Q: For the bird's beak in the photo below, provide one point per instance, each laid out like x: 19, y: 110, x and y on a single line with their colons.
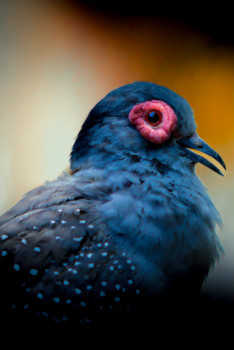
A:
x: 195, y: 142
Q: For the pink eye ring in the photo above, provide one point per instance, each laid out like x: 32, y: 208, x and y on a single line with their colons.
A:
x: 155, y: 120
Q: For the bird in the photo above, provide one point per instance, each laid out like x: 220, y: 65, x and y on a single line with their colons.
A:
x: 128, y: 229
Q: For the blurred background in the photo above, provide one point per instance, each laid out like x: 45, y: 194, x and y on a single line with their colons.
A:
x: 58, y: 58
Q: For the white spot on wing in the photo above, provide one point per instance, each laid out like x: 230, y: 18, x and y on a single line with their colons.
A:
x: 37, y: 249
x: 16, y: 267
x: 56, y: 300
x: 4, y: 237
x: 33, y: 272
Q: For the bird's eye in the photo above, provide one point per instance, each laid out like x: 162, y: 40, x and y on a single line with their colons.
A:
x: 153, y: 118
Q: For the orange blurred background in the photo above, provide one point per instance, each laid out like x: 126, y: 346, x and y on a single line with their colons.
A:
x: 58, y: 58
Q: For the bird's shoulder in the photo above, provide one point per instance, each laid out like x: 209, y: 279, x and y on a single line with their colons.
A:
x: 55, y: 215
x: 54, y: 220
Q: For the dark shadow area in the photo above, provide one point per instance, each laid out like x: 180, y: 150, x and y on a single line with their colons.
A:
x: 215, y: 20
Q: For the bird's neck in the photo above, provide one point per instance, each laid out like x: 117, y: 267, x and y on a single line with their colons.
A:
x: 158, y: 162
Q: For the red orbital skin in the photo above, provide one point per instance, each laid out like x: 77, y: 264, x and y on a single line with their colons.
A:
x: 159, y: 133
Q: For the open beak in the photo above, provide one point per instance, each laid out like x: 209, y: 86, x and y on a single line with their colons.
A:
x: 195, y: 142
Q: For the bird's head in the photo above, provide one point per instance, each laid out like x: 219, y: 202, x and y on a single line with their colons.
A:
x: 139, y: 118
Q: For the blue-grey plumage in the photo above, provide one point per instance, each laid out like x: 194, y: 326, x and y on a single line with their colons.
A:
x: 131, y: 224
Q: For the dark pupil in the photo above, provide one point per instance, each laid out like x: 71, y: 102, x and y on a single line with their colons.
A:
x: 153, y: 117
